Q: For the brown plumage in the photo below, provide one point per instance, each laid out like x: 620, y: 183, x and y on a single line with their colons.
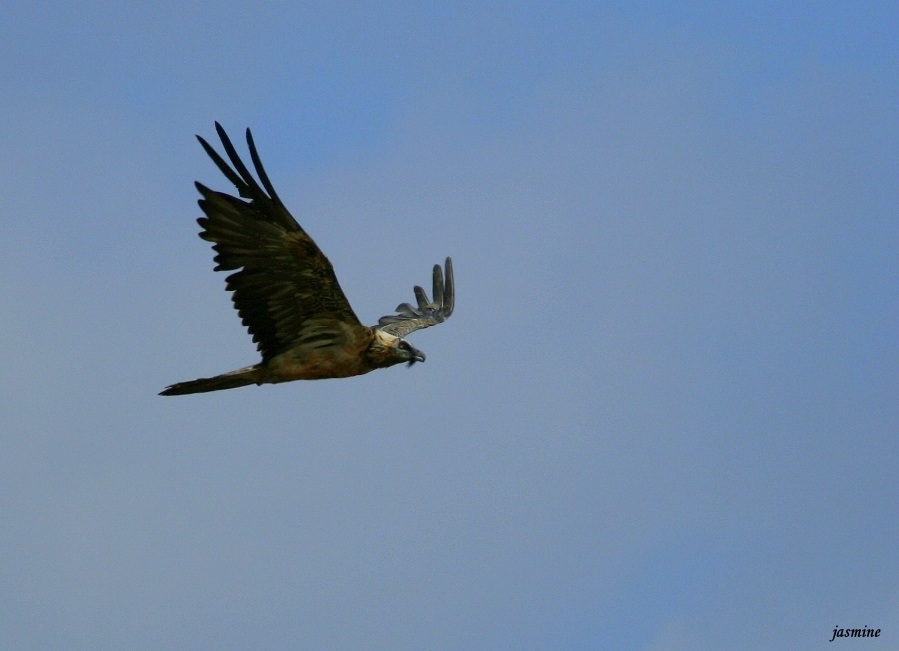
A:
x: 287, y: 295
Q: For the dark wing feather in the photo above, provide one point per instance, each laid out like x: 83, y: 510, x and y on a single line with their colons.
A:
x: 285, y: 290
x: 409, y: 319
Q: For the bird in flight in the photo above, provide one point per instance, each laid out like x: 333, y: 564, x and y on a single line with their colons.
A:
x: 287, y: 295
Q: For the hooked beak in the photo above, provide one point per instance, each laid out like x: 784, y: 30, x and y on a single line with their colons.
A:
x: 417, y: 356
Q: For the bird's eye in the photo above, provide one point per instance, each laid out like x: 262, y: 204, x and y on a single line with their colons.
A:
x: 405, y: 345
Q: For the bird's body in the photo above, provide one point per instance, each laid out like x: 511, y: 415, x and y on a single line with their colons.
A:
x: 287, y: 295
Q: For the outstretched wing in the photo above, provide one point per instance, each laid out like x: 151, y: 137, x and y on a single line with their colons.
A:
x: 410, y: 319
x: 285, y: 290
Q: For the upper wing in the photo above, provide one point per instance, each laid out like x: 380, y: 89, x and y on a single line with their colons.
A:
x: 285, y: 290
x: 410, y: 319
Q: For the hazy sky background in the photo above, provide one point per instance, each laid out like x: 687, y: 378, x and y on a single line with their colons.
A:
x: 664, y: 415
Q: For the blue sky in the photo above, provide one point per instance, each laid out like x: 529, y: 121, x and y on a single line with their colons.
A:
x: 663, y: 415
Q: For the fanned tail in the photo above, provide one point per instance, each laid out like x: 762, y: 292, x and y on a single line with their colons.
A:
x: 239, y: 378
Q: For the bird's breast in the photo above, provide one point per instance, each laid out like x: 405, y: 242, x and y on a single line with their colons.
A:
x: 317, y: 364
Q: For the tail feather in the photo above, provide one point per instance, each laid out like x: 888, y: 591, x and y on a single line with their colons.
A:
x: 239, y: 378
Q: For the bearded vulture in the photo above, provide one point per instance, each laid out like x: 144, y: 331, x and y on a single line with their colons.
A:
x: 287, y: 295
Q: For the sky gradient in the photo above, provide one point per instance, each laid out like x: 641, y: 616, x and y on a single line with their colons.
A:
x: 663, y: 416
